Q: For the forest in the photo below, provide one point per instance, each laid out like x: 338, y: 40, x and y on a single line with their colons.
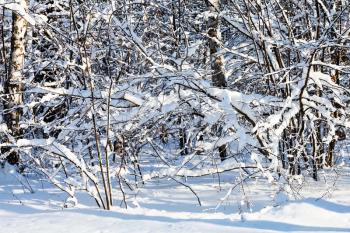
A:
x: 106, y: 98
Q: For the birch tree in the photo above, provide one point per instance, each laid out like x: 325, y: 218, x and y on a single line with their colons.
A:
x: 13, y: 86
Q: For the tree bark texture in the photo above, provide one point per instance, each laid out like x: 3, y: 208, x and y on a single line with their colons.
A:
x: 13, y: 85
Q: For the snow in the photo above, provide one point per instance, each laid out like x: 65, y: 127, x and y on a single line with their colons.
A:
x: 19, y: 10
x: 166, y: 206
x: 133, y: 99
x: 282, y: 101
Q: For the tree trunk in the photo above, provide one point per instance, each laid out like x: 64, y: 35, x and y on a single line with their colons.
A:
x: 218, y: 76
x: 216, y: 60
x: 13, y: 85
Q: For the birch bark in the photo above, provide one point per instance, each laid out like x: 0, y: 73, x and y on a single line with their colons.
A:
x: 13, y: 87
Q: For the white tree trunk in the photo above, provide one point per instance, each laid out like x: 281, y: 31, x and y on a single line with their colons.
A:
x: 13, y: 85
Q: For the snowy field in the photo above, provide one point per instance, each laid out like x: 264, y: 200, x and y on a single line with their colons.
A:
x: 164, y: 206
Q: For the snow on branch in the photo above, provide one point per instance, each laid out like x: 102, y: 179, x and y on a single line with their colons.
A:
x: 17, y: 8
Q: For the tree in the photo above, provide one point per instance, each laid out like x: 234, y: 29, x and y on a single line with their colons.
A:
x: 13, y: 87
x: 216, y: 59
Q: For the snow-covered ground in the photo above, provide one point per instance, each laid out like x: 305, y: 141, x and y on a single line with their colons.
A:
x: 166, y: 206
